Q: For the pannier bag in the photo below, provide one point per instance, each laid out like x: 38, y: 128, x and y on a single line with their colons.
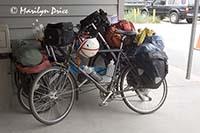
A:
x: 59, y: 34
x: 99, y: 19
x: 114, y: 39
x: 151, y: 68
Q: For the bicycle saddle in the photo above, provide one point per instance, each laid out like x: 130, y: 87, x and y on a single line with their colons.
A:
x: 127, y: 33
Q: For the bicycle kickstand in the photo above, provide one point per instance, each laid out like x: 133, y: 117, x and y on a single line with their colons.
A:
x: 104, y: 102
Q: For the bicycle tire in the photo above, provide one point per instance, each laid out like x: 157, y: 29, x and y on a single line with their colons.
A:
x: 48, y: 92
x: 17, y: 79
x: 23, y: 99
x: 23, y: 83
x: 138, y: 105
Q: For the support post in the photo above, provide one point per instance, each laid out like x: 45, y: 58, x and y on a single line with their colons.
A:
x: 193, y: 32
x: 154, y: 15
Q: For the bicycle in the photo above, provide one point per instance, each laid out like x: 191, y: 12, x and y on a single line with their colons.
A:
x: 53, y: 92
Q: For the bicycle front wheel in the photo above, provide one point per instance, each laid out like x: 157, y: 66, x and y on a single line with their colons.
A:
x: 52, y: 95
x: 145, y: 100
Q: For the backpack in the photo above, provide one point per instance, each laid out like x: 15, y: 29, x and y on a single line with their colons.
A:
x: 114, y: 39
x: 125, y: 25
x: 151, y: 67
x: 59, y: 34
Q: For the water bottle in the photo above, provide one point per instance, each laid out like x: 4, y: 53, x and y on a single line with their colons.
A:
x: 34, y: 30
x: 109, y: 72
x: 110, y: 69
x: 38, y: 30
x: 41, y: 32
x: 92, y: 73
x: 86, y: 69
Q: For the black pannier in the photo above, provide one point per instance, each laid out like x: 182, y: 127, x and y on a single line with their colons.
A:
x: 98, y: 18
x: 59, y: 34
x: 151, y: 65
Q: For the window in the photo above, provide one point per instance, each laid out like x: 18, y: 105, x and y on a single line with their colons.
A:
x: 183, y: 2
x: 170, y: 2
x: 160, y: 2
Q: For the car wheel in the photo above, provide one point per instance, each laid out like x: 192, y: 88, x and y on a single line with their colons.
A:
x: 145, y: 13
x: 174, y: 17
x: 189, y: 20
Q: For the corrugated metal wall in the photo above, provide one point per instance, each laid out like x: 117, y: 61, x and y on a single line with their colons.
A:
x: 19, y: 14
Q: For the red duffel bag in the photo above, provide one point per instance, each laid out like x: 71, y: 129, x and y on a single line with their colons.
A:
x: 114, y: 39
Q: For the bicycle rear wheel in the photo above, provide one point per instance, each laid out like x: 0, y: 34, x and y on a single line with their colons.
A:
x: 23, y: 83
x: 143, y: 101
x: 23, y: 99
x: 52, y: 95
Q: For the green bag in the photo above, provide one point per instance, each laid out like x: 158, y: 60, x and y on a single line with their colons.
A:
x: 25, y: 53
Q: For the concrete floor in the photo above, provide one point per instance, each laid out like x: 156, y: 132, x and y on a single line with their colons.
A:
x: 179, y: 114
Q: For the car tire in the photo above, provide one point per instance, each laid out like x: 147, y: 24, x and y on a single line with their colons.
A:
x: 189, y: 20
x: 174, y: 17
x: 145, y: 13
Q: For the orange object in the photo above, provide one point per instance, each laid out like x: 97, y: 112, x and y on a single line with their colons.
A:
x: 198, y: 44
x: 78, y: 60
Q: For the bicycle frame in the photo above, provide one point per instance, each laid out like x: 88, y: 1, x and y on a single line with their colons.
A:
x: 70, y: 62
x: 117, y: 65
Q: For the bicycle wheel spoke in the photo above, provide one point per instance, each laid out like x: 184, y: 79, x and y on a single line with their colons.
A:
x: 60, y: 79
x: 39, y: 99
x: 41, y: 85
x: 41, y: 106
x: 44, y: 82
x: 64, y: 92
x: 57, y: 109
x: 63, y: 85
x: 40, y: 93
x: 50, y: 114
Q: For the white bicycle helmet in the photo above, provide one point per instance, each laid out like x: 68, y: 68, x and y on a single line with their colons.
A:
x: 89, y: 47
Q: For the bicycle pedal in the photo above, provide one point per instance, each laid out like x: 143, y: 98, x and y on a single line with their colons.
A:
x: 103, y: 104
x: 146, y: 98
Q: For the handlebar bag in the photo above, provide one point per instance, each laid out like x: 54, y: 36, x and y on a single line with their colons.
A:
x: 59, y: 34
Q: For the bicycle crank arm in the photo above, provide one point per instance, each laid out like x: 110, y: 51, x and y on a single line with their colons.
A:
x: 104, y: 102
